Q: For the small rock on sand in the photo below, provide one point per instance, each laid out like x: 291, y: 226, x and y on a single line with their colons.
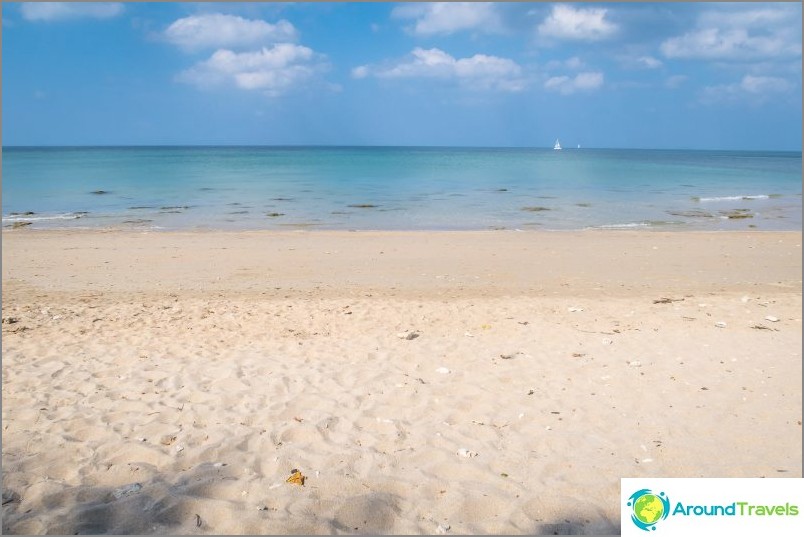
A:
x: 167, y: 439
x: 466, y: 453
x: 720, y: 324
x: 442, y: 529
x: 443, y: 370
x: 772, y: 319
x: 408, y: 335
x: 126, y: 490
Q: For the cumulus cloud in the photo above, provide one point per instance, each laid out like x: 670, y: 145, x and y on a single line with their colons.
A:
x: 56, y: 11
x: 739, y: 33
x: 566, y: 85
x: 274, y: 71
x: 477, y: 72
x: 756, y: 89
x: 216, y: 30
x: 582, y: 24
x: 444, y: 18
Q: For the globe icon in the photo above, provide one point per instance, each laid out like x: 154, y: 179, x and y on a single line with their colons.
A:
x: 648, y: 509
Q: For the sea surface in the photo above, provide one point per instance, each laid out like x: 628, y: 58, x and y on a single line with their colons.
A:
x: 399, y: 188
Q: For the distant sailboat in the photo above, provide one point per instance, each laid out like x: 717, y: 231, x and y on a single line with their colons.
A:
x: 557, y: 147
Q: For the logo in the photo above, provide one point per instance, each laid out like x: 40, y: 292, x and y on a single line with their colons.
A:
x: 648, y: 508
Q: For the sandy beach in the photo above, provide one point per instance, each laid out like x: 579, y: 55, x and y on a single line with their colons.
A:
x: 422, y: 382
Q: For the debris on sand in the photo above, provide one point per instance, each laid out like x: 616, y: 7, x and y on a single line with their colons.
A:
x: 408, y: 335
x: 665, y: 300
x: 296, y: 478
x: 133, y: 488
x: 466, y: 453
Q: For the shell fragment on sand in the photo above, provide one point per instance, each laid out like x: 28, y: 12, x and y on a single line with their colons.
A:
x: 466, y: 453
x: 443, y: 370
x: 772, y: 319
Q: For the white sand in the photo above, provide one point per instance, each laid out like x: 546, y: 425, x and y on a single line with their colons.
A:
x: 266, y: 352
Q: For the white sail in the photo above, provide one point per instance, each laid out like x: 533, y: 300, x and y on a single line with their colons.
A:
x: 557, y: 146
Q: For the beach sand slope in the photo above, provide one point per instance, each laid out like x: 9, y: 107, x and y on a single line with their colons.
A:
x: 489, y: 382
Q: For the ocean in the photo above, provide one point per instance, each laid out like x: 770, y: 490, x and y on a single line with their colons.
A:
x: 399, y: 188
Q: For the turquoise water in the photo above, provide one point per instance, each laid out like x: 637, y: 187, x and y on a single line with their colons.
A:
x: 400, y: 188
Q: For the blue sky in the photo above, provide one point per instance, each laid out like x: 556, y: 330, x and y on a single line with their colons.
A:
x: 649, y: 75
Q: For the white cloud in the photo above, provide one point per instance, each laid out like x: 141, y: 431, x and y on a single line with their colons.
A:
x: 216, y: 30
x: 734, y: 32
x: 764, y: 84
x: 446, y: 18
x: 565, y: 85
x: 584, y: 24
x: 647, y: 62
x: 740, y: 17
x: 273, y: 71
x: 755, y: 89
x: 55, y: 11
x: 732, y: 44
x: 573, y: 64
x: 478, y: 72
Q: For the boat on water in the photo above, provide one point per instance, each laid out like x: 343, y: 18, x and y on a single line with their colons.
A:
x: 557, y: 147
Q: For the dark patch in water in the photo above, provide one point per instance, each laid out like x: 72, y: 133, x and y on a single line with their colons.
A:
x: 546, y: 197
x: 282, y: 199
x: 141, y: 207
x: 205, y: 189
x: 536, y: 209
x: 182, y: 207
x: 17, y: 225
x: 583, y: 204
x: 274, y: 215
x: 239, y: 212
x: 100, y: 192
x: 501, y: 190
x: 363, y: 206
x: 737, y: 214
x: 696, y: 213
x: 26, y: 213
x: 341, y: 212
x: 137, y: 221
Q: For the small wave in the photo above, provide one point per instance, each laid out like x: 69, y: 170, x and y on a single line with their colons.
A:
x: 624, y: 226
x: 35, y: 218
x: 733, y: 198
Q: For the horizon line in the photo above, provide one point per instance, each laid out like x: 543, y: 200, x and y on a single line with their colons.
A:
x: 377, y: 146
